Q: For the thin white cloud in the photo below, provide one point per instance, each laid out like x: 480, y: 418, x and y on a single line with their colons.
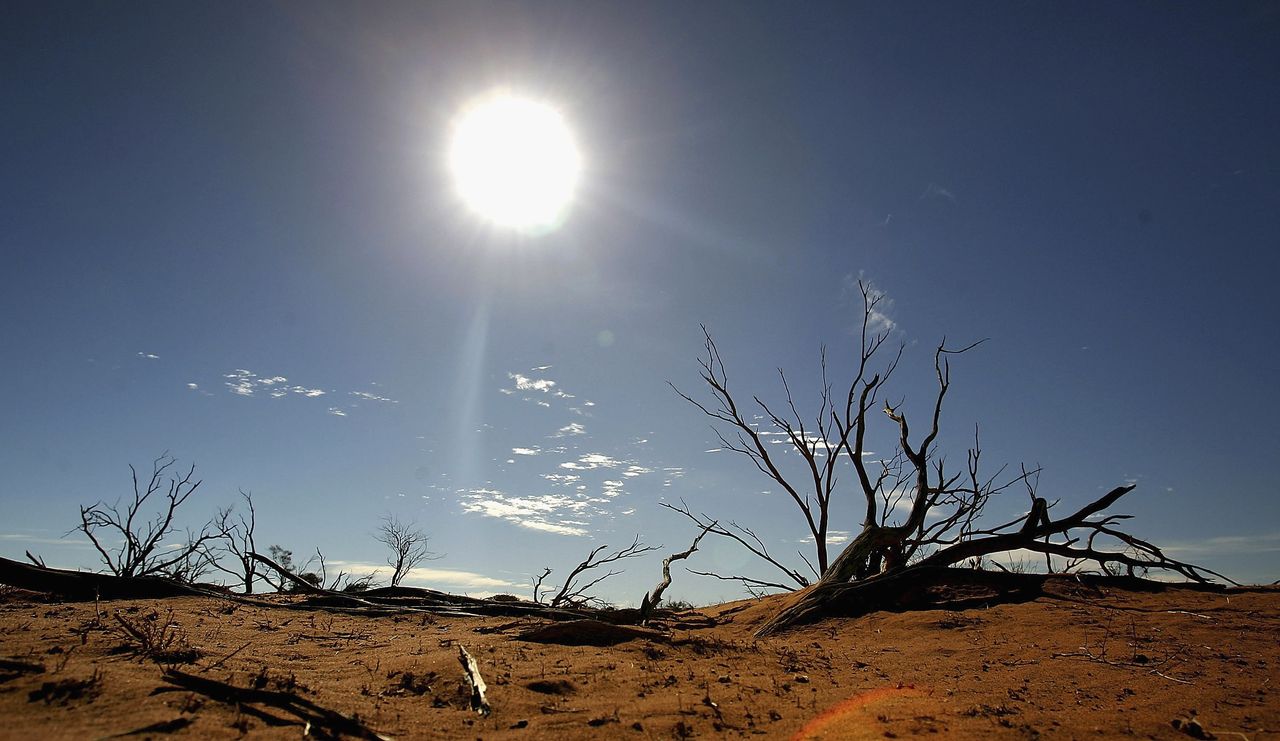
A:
x: 148, y: 356
x: 42, y: 540
x: 592, y: 461
x: 834, y: 537
x: 425, y: 576
x: 247, y: 383
x: 372, y: 397
x: 545, y: 513
x: 1225, y: 544
x: 524, y: 383
x: 935, y: 190
x: 335, y: 411
x: 879, y: 319
x: 573, y: 428
x: 535, y: 450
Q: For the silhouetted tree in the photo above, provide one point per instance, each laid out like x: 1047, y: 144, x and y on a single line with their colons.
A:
x: 141, y: 533
x: 238, y: 542
x: 408, y: 546
x: 942, y: 507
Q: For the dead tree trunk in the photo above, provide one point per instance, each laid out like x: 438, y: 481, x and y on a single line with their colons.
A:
x: 651, y: 600
x: 84, y: 585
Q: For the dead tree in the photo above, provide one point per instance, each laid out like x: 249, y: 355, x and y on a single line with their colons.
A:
x: 653, y: 598
x: 941, y: 525
x: 835, y: 431
x: 408, y: 546
x: 238, y: 542
x: 574, y: 594
x: 142, y: 550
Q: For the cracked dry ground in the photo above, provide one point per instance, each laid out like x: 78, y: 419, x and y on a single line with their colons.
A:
x: 1080, y: 662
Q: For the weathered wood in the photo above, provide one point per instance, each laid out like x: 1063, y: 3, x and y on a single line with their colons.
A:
x: 85, y: 585
x: 652, y: 599
x: 471, y: 669
x: 934, y: 587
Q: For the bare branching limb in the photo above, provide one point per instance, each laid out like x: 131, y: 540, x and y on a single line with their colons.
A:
x: 755, y: 587
x: 238, y: 542
x: 408, y: 546
x: 342, y: 582
x: 747, y: 539
x: 573, y: 594
x: 537, y: 585
x: 143, y: 550
x: 654, y: 597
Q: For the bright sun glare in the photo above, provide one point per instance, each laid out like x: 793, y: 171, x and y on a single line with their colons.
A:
x: 514, y: 162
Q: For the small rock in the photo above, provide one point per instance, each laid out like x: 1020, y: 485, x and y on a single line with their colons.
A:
x: 802, y: 678
x: 723, y: 679
x: 520, y: 724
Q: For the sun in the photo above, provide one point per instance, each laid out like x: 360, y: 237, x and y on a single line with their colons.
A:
x: 514, y: 162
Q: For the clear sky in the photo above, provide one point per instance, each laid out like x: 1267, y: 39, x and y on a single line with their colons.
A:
x: 211, y: 212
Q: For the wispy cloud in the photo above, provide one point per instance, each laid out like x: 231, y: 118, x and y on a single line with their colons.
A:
x: 372, y: 397
x: 592, y: 461
x: 549, y: 513
x: 535, y: 450
x: 42, y: 540
x: 148, y: 355
x: 879, y: 319
x: 571, y: 429
x: 1228, y: 544
x: 247, y: 383
x: 524, y: 383
x: 424, y: 576
x: 937, y: 191
x: 834, y: 537
x: 537, y: 390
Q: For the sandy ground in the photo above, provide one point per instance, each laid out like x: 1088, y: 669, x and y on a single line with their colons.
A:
x: 1080, y: 663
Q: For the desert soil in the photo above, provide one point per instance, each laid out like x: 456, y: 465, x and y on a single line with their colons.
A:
x: 1081, y: 662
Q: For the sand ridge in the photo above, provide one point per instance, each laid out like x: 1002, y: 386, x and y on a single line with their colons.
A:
x: 1095, y: 662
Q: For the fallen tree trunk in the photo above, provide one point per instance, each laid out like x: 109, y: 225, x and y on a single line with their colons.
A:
x: 86, y: 585
x: 938, y: 587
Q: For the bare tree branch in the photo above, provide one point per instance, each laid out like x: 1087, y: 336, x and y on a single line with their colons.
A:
x: 574, y: 594
x: 654, y: 597
x: 143, y: 551
x: 408, y: 546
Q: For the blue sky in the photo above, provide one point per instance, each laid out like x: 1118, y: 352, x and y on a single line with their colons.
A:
x: 213, y: 212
